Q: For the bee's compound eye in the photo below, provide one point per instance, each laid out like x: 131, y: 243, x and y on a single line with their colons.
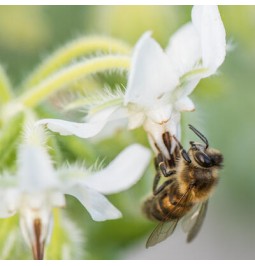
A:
x: 203, y: 159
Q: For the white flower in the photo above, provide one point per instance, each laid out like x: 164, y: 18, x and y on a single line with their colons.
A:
x: 37, y: 187
x: 159, y: 82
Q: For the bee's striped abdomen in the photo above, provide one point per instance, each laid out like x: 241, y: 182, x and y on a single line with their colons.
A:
x: 164, y: 206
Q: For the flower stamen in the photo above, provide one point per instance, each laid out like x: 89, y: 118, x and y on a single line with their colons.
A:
x: 38, y: 247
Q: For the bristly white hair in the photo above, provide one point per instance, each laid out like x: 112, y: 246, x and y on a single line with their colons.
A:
x: 88, y: 103
x: 35, y: 135
x: 98, y: 165
x: 79, y: 170
x: 231, y: 45
x: 106, y: 97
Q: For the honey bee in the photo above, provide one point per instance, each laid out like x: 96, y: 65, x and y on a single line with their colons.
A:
x: 190, y: 179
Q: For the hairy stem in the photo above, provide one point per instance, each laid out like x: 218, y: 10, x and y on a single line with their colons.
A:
x: 69, y: 74
x: 80, y: 47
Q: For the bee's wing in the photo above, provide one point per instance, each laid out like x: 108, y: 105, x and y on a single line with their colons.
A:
x: 162, y: 231
x: 189, y: 219
x: 192, y: 222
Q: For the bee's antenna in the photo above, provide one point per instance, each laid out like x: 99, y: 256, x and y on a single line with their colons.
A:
x: 200, y: 135
x: 183, y: 152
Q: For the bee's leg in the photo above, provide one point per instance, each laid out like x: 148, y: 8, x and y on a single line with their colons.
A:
x: 156, y: 189
x: 182, y: 151
x: 156, y: 163
x: 155, y: 183
x: 162, y: 165
x: 163, y: 169
x: 157, y: 176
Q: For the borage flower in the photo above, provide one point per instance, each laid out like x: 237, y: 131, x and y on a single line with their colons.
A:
x: 159, y: 82
x: 37, y: 187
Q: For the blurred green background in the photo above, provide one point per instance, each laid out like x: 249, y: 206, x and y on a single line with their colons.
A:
x: 225, y: 114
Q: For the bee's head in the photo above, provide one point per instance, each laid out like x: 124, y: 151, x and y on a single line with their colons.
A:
x: 202, y: 154
x: 205, y: 156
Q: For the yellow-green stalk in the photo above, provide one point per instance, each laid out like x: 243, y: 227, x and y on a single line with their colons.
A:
x: 71, y: 73
x: 77, y: 48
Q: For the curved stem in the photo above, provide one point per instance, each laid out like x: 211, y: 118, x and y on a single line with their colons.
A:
x: 80, y: 47
x: 70, y: 74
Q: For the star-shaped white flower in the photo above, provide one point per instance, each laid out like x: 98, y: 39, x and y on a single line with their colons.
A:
x: 37, y: 187
x: 159, y: 82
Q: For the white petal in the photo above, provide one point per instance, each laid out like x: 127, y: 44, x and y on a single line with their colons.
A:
x: 116, y: 121
x: 198, y: 48
x: 111, y: 128
x: 161, y: 114
x: 151, y: 74
x: 185, y: 104
x: 123, y: 172
x: 35, y: 169
x: 184, y: 49
x: 57, y: 199
x: 136, y: 119
x: 9, y: 202
x: 97, y: 205
x: 187, y: 86
x: 207, y: 21
x: 156, y: 130
x: 185, y: 53
x: 82, y: 130
x: 111, y: 113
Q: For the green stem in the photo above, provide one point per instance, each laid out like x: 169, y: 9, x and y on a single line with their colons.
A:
x: 70, y: 74
x: 74, y: 49
x: 5, y: 87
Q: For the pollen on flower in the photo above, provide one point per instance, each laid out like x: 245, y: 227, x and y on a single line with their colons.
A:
x: 76, y: 170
